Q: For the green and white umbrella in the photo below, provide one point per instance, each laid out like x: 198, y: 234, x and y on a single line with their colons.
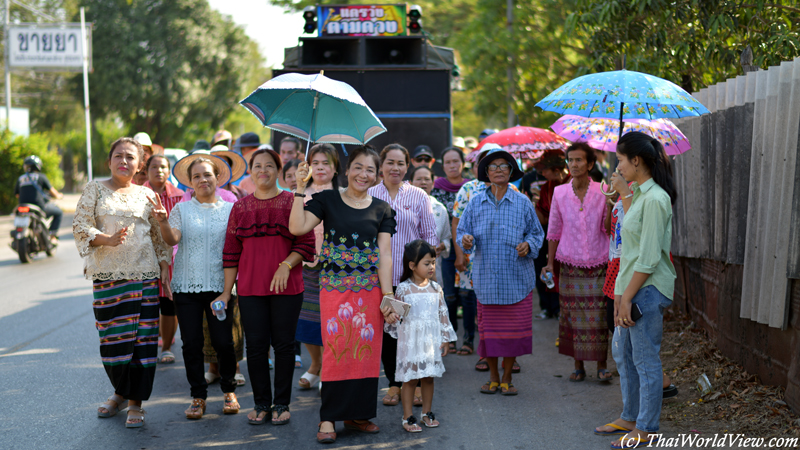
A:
x: 315, y: 108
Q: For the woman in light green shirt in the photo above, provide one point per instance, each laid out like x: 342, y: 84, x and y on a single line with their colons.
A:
x: 645, y: 283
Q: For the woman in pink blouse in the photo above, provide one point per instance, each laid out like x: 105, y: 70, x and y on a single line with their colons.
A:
x: 579, y: 241
x: 415, y: 220
x: 267, y: 259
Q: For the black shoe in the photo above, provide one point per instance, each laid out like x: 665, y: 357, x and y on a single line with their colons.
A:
x: 670, y: 391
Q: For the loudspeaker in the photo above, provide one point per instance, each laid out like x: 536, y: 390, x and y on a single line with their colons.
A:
x: 399, y: 51
x: 330, y: 52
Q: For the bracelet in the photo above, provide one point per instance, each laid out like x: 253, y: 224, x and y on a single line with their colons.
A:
x: 388, y: 293
x: 298, y: 194
x: 628, y: 196
x: 287, y: 264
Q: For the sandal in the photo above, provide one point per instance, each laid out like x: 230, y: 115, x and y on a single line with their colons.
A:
x: 259, y: 419
x: 508, y: 389
x: 212, y: 377
x: 392, y: 398
x: 411, y: 426
x: 119, y: 404
x: 451, y: 348
x: 231, y: 404
x: 466, y: 349
x: 417, y: 396
x: 431, y: 422
x: 279, y: 410
x: 482, y: 365
x: 166, y: 358
x: 616, y: 430
x: 577, y: 375
x: 196, y: 409
x: 298, y: 362
x: 325, y: 437
x: 239, y: 379
x: 490, y: 387
x: 135, y: 413
x: 515, y: 368
x: 309, y: 379
x: 605, y: 379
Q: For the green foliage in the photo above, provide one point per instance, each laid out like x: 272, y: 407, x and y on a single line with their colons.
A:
x: 174, y: 69
x: 693, y: 43
x: 13, y: 151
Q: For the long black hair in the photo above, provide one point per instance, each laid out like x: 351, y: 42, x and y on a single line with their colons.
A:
x: 652, y: 154
x: 414, y: 252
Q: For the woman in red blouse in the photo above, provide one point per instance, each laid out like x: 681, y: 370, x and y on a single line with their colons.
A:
x: 267, y: 259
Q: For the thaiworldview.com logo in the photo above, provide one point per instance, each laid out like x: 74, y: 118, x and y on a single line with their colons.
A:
x: 728, y: 440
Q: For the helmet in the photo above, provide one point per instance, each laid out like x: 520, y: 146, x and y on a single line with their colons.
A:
x: 32, y: 164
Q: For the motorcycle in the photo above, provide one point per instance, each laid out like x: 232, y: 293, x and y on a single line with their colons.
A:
x: 30, y: 235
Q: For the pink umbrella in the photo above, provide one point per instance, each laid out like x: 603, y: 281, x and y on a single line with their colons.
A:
x: 603, y: 134
x: 522, y: 142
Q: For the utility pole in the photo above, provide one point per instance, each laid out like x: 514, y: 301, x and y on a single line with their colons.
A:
x: 510, y: 116
x: 85, y: 45
x: 8, y: 71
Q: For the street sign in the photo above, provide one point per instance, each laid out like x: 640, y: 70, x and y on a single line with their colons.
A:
x: 42, y: 47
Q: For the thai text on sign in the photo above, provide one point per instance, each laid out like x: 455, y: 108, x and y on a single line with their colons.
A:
x: 57, y: 47
x: 362, y: 20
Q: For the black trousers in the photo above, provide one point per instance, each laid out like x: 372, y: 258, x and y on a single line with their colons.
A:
x: 270, y: 320
x: 389, y: 356
x: 190, y: 309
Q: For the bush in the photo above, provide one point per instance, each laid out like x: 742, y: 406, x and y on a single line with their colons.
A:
x: 13, y: 151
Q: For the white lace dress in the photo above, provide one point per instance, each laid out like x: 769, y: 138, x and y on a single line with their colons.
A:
x: 422, y: 332
x: 198, y: 263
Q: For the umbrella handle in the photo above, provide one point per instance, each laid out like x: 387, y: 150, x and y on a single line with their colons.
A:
x: 608, y: 194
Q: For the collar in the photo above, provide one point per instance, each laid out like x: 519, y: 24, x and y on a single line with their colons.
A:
x: 507, y: 196
x: 646, y: 186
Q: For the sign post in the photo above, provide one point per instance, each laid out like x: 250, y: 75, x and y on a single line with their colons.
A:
x: 8, y: 70
x: 55, y: 47
x: 85, y: 46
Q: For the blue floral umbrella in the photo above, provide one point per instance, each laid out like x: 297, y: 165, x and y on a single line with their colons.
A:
x: 622, y: 94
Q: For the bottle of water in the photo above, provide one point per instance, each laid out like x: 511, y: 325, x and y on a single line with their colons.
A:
x: 547, y: 278
x: 219, y: 308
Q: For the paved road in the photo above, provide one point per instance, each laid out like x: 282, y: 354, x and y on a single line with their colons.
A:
x: 51, y: 382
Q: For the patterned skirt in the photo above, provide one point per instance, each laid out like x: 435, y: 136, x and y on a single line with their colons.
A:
x: 209, y: 354
x: 506, y: 330
x: 126, y: 316
x: 582, y: 330
x: 351, y: 355
x: 309, y: 330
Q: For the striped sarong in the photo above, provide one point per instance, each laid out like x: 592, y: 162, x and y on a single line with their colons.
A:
x: 506, y: 330
x: 582, y: 330
x: 309, y: 330
x: 126, y: 315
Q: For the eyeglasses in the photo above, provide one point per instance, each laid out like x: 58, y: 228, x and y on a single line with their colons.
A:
x: 501, y: 168
x: 423, y: 159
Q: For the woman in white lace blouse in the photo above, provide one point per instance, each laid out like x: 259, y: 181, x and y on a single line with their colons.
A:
x: 124, y: 255
x: 199, y: 226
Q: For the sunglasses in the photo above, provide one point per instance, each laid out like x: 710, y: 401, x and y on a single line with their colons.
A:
x: 423, y: 159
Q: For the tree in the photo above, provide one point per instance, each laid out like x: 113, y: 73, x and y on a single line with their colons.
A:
x: 13, y: 151
x: 693, y: 43
x: 168, y: 68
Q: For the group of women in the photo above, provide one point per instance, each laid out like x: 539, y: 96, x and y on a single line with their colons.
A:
x: 300, y: 265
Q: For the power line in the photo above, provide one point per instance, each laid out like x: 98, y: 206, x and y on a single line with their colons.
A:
x: 35, y: 11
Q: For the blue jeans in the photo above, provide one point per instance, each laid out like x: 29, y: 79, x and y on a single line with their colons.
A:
x: 636, y: 352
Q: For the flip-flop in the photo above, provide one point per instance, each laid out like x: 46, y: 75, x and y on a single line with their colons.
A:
x: 465, y: 350
x: 492, y: 387
x: 516, y: 368
x: 482, y: 365
x: 625, y: 443
x: 604, y: 380
x: 166, y: 357
x: 617, y: 430
x: 580, y: 375
x: 507, y: 387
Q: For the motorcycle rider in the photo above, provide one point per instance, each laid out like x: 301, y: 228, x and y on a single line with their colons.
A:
x: 33, y: 188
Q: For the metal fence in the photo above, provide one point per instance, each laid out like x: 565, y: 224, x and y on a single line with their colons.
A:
x: 739, y: 195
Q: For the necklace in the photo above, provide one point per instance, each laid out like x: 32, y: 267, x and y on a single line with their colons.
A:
x: 357, y: 202
x: 576, y: 193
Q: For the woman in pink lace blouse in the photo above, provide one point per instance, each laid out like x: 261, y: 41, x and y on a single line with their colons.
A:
x: 579, y: 241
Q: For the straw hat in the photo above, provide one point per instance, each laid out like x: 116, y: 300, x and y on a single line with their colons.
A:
x: 181, y: 167
x: 239, y: 167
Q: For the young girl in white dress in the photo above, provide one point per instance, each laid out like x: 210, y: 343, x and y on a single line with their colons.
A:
x: 421, y: 334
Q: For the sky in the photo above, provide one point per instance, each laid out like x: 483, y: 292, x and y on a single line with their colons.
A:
x: 266, y: 24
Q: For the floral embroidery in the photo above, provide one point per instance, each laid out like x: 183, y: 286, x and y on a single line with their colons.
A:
x: 355, y: 236
x: 342, y: 281
x: 352, y: 257
x: 352, y: 342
